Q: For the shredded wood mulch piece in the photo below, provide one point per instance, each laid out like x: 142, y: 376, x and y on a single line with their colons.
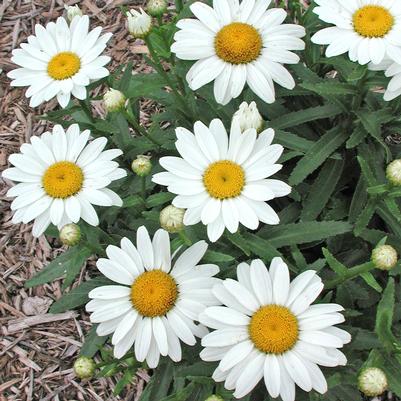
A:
x: 37, y: 349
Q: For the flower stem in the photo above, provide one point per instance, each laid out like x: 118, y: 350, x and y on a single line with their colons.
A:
x: 184, y: 237
x: 350, y: 274
x: 143, y: 187
x: 178, y: 5
x: 139, y: 128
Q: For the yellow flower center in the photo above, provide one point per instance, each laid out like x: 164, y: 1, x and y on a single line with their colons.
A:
x: 238, y: 43
x: 224, y: 179
x: 62, y: 179
x: 63, y: 65
x: 373, y: 21
x: 273, y: 329
x: 154, y: 293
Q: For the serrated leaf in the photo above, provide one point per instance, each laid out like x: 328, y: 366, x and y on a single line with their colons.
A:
x: 330, y: 88
x: 73, y: 258
x: 306, y: 115
x: 334, y: 264
x: 302, y: 233
x: 217, y: 257
x: 365, y: 217
x: 357, y: 136
x: 322, y: 189
x: 318, y: 154
x: 371, y: 281
x: 159, y: 199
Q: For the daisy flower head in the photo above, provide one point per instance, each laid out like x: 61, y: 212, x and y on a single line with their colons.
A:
x: 60, y: 177
x: 267, y: 328
x: 60, y: 60
x: 236, y: 43
x: 369, y: 30
x: 222, y: 181
x: 153, y: 306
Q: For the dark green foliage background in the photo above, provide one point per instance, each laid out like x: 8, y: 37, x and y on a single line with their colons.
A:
x: 336, y: 132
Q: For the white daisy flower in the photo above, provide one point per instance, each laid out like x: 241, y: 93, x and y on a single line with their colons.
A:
x: 222, y: 181
x: 369, y: 30
x: 154, y: 305
x: 61, y: 177
x: 60, y: 60
x: 268, y: 328
x: 237, y: 43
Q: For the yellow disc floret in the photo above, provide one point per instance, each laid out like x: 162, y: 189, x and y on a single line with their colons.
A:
x: 62, y: 179
x: 273, y: 329
x: 238, y: 43
x: 224, y: 179
x: 154, y: 293
x: 63, y: 65
x: 373, y: 21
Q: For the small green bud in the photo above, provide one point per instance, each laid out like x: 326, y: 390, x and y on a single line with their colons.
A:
x: 393, y: 172
x: 384, y: 257
x: 372, y: 382
x: 72, y: 12
x: 214, y: 397
x: 70, y: 234
x: 156, y: 8
x: 139, y: 24
x: 114, y: 100
x: 172, y: 219
x: 142, y: 165
x: 84, y: 367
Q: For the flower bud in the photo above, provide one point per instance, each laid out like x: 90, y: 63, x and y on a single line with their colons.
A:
x: 214, y: 397
x: 172, y: 219
x: 114, y: 100
x: 393, y: 172
x: 70, y: 234
x: 156, y: 8
x: 84, y: 367
x: 249, y: 117
x: 372, y: 382
x: 142, y: 165
x: 72, y: 11
x: 384, y: 257
x: 139, y: 24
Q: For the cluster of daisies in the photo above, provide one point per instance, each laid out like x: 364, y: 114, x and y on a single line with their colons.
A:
x: 261, y: 325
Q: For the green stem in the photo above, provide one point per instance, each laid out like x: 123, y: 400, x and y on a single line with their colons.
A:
x: 178, y: 5
x: 143, y: 187
x: 139, y: 128
x: 350, y: 274
x: 185, y: 238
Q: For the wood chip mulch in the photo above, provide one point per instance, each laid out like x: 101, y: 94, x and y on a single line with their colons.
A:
x: 37, y: 349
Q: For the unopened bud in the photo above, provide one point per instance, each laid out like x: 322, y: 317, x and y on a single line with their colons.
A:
x: 114, y: 100
x: 156, y: 8
x: 393, y: 172
x: 70, y: 234
x: 142, y: 165
x: 372, y: 382
x: 72, y: 12
x: 172, y: 219
x: 139, y: 24
x: 384, y: 257
x: 249, y: 117
x: 214, y: 397
x: 84, y: 367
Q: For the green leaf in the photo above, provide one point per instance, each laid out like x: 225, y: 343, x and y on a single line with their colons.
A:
x: 322, y: 189
x: 306, y: 115
x: 357, y: 136
x: 292, y: 141
x: 72, y: 259
x: 78, y: 296
x: 92, y: 343
x: 334, y: 264
x: 365, y: 217
x: 302, y: 233
x: 217, y: 257
x: 318, y: 154
x: 371, y: 281
x: 384, y: 317
x: 330, y: 88
x: 159, y: 199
